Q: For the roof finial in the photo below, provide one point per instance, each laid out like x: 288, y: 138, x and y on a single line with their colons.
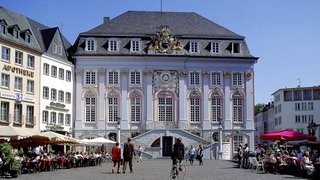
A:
x: 299, y: 82
x: 160, y: 5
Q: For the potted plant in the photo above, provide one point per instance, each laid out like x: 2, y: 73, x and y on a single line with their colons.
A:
x: 6, y: 149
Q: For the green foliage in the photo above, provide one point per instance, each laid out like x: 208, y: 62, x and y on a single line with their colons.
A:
x: 6, y: 148
x: 258, y: 108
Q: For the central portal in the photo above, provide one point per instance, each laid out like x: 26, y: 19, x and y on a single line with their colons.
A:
x: 167, y: 146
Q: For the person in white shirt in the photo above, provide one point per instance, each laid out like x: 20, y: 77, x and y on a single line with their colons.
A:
x: 307, y: 164
x: 140, y: 154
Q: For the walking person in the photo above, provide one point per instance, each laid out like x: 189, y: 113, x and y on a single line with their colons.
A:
x: 240, y: 155
x: 192, y: 153
x: 200, y: 155
x: 116, y: 157
x: 128, y: 153
x: 140, y: 154
x: 245, y: 156
x: 178, y: 151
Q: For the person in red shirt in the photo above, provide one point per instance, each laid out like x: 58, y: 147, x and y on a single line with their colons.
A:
x: 116, y: 157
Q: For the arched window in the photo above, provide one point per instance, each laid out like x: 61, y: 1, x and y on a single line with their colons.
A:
x: 194, y: 107
x: 113, y: 106
x: 135, y: 106
x: 90, y: 106
x: 237, y: 105
x: 216, y: 108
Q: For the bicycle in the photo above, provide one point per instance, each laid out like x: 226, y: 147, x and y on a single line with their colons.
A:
x: 178, y: 171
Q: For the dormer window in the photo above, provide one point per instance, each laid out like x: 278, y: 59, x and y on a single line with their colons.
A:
x: 27, y: 37
x: 54, y: 48
x: 3, y: 26
x: 15, y: 33
x: 90, y: 45
x: 113, y: 45
x: 135, y: 46
x: 194, y: 47
x: 26, y: 34
x: 215, y: 47
x: 234, y: 47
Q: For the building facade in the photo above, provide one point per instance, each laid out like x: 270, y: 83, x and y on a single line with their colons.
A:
x: 156, y: 76
x: 36, y: 75
x: 296, y: 108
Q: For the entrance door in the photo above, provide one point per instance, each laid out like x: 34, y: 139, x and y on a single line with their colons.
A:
x: 167, y: 146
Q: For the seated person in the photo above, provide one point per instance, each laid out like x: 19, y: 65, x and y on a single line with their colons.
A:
x: 307, y: 164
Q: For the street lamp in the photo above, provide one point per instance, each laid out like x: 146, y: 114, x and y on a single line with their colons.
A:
x: 119, y: 127
x: 211, y: 139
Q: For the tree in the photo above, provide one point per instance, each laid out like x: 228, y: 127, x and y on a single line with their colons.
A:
x: 258, y: 108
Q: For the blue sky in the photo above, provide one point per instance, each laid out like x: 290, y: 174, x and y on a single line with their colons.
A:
x: 284, y: 34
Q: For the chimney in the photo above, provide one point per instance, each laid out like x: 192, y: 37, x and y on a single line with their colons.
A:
x: 106, y: 19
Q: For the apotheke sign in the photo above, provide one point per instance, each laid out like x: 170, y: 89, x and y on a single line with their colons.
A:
x: 17, y: 97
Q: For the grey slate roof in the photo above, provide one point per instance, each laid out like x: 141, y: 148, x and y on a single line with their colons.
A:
x: 143, y: 23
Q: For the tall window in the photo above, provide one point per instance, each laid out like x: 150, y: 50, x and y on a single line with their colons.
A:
x: 90, y: 77
x: 113, y: 108
x: 18, y: 83
x: 17, y: 117
x: 5, y: 80
x: 237, y: 110
x: 30, y: 86
x: 45, y: 93
x: 194, y: 47
x: 195, y: 108
x: 45, y: 117
x: 216, y: 109
x: 61, y: 73
x: 113, y: 77
x: 135, y: 78
x: 4, y: 113
x: 30, y: 115
x: 60, y: 96
x: 135, y: 45
x: 237, y: 79
x: 135, y: 109
x: 46, y: 69
x: 68, y: 97
x: 19, y: 58
x: 165, y: 109
x: 30, y: 61
x: 216, y: 79
x: 53, y: 118
x: 68, y: 75
x: 113, y: 45
x: 53, y: 94
x: 90, y: 45
x: 60, y: 118
x: 5, y: 55
x: 53, y: 71
x: 90, y: 109
x: 68, y: 119
x: 215, y: 47
x: 194, y: 78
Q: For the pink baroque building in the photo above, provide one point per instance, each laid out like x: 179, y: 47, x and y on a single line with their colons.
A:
x: 156, y: 76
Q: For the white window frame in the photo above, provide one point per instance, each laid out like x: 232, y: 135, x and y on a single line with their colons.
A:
x: 30, y: 86
x: 135, y: 106
x: 30, y: 61
x: 46, y: 69
x: 113, y: 78
x: 216, y: 79
x: 45, y: 93
x: 60, y: 50
x: 18, y: 58
x: 61, y: 73
x: 17, y: 117
x: 90, y: 77
x: 61, y: 96
x: 237, y: 107
x: 5, y: 80
x: 4, y: 111
x: 53, y: 118
x: 18, y: 83
x: 68, y: 76
x: 15, y: 33
x: 54, y: 71
x: 67, y: 119
x: 90, y: 45
x: 55, y: 48
x: 165, y: 109
x: 113, y: 45
x: 193, y: 79
x: 68, y: 97
x: 45, y: 117
x: 91, y: 109
x: 135, y: 78
x: 2, y: 28
x: 195, y: 109
x: 60, y: 118
x: 53, y: 94
x: 30, y: 115
x: 113, y: 108
x: 237, y: 79
x: 5, y: 54
x: 215, y: 47
x: 27, y: 37
x: 135, y: 45
x: 238, y: 49
x: 216, y: 109
x: 194, y: 47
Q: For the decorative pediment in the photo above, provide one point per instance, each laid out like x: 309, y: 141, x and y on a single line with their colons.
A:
x: 166, y: 80
x: 163, y: 42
